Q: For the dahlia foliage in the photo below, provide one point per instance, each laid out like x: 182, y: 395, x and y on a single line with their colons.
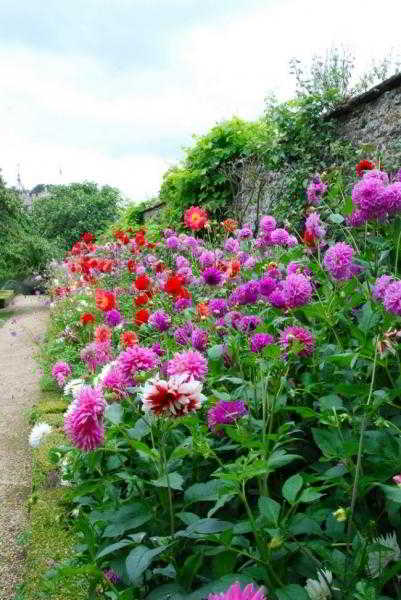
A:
x: 234, y: 415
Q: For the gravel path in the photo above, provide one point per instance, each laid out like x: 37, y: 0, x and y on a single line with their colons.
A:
x: 19, y: 389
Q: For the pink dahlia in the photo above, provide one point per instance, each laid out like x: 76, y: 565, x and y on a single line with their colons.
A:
x: 381, y: 284
x: 314, y: 226
x: 173, y: 398
x: 297, y: 334
x: 84, y: 423
x: 338, y: 261
x: 279, y: 237
x: 277, y: 298
x: 60, y: 371
x: 234, y: 592
x: 199, y: 339
x: 195, y: 218
x: 160, y: 320
x: 397, y: 479
x: 225, y: 413
x: 267, y: 285
x: 260, y: 341
x: 357, y: 218
x: 297, y: 290
x: 391, y: 198
x: 116, y: 381
x: 367, y: 195
x: 137, y: 358
x: 315, y: 190
x: 212, y: 276
x: 96, y: 354
x: 267, y: 224
x: 190, y: 363
x: 392, y: 298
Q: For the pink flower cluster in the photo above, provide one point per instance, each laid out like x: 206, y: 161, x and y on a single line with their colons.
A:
x: 60, y: 371
x: 83, y: 422
x: 375, y: 198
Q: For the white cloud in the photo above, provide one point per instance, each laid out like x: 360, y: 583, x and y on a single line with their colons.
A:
x: 127, y: 128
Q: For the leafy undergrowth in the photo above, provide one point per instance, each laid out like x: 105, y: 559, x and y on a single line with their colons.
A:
x: 50, y: 541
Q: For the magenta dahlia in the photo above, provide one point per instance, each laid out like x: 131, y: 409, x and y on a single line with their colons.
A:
x: 84, y: 423
x: 338, y: 261
x: 225, y: 413
x: 392, y: 298
x: 297, y: 334
x: 60, y: 371
x: 234, y: 592
x: 137, y: 358
x: 297, y: 290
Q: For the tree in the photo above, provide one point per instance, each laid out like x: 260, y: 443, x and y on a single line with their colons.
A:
x: 68, y: 211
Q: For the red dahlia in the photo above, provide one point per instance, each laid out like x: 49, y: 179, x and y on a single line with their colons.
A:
x: 142, y: 316
x: 364, y: 165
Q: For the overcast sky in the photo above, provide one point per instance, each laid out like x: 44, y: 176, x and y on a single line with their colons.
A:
x: 111, y: 90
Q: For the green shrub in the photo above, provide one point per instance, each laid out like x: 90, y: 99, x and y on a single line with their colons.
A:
x: 68, y: 211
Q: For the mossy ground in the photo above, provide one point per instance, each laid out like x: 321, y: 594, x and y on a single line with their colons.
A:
x: 49, y: 541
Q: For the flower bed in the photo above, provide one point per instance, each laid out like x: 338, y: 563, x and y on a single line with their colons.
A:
x: 235, y: 403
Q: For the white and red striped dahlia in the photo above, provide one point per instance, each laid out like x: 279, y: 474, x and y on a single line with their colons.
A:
x: 173, y: 398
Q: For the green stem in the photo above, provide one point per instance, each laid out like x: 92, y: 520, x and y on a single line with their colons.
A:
x: 170, y: 495
x: 360, y: 448
x: 397, y: 253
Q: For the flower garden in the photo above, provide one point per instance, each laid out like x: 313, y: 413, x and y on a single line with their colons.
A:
x: 234, y: 418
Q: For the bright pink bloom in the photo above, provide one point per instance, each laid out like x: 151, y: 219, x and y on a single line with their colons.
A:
x: 338, y: 261
x: 84, y: 423
x: 60, y: 371
x: 234, y: 592
x: 297, y: 290
x: 297, y: 334
x: 137, y: 358
x: 192, y: 363
x: 225, y: 413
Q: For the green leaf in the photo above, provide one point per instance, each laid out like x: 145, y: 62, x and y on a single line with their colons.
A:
x: 330, y: 401
x: 292, y: 487
x: 189, y: 570
x: 202, y: 492
x: 220, y: 503
x: 114, y: 413
x: 167, y: 591
x: 215, y: 352
x: 207, y: 526
x: 175, y: 481
x: 140, y: 429
x: 280, y: 458
x: 113, y: 548
x: 336, y: 218
x: 270, y: 509
x: 139, y: 559
x: 291, y: 592
x: 391, y: 492
x: 310, y: 495
x: 348, y: 206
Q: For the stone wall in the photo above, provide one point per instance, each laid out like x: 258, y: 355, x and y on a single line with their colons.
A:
x: 374, y: 118
x: 371, y: 121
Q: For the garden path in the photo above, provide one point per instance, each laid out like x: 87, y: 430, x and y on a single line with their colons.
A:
x: 19, y: 388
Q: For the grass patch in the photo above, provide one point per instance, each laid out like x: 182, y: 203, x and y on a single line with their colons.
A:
x: 49, y: 546
x: 49, y: 543
x: 50, y: 403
